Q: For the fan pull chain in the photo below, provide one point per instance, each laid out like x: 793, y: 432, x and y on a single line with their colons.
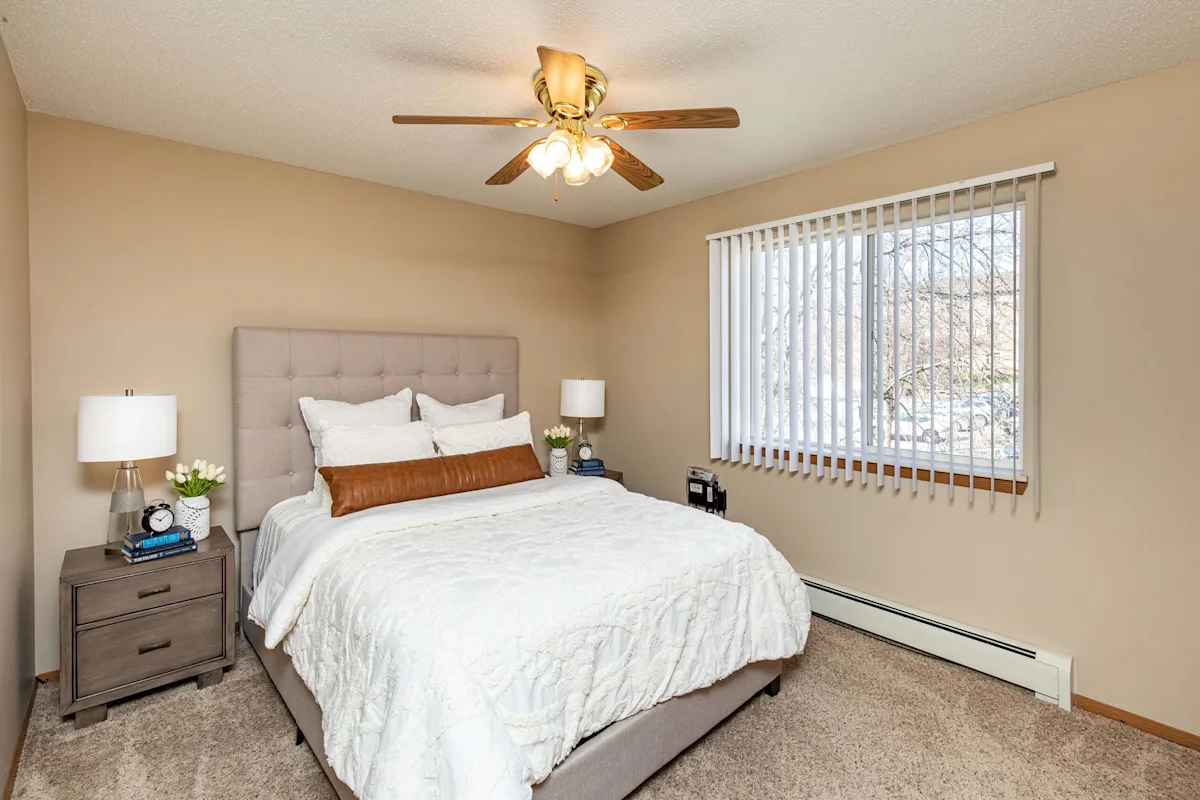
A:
x: 556, y: 186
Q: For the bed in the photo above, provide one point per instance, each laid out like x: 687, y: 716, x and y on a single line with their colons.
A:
x: 295, y: 597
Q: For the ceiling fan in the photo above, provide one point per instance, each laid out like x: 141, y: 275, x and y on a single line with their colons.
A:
x: 571, y: 90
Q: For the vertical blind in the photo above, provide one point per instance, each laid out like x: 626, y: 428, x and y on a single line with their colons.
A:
x: 893, y: 340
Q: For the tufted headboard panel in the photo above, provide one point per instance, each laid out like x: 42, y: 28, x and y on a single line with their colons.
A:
x: 274, y: 367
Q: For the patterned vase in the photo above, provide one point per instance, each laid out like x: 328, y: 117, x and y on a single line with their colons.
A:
x: 558, y: 462
x: 193, y: 514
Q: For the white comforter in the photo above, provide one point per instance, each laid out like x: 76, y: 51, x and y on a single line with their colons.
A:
x: 460, y: 647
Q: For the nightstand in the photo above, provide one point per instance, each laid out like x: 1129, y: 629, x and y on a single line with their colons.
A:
x: 613, y: 475
x: 126, y: 628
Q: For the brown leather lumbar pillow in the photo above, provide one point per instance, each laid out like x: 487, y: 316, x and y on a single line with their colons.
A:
x: 368, y: 485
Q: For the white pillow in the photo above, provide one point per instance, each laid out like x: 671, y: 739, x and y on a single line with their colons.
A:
x: 454, y: 440
x: 348, y: 445
x: 439, y: 414
x: 393, y: 410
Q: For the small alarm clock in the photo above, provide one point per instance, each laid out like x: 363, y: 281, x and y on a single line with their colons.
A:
x: 157, y: 518
x: 585, y: 451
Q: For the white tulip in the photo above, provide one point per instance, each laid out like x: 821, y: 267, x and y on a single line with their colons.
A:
x: 179, y: 468
x: 170, y: 475
x: 220, y: 479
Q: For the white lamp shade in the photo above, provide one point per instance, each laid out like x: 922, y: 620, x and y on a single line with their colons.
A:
x: 582, y: 398
x: 125, y: 427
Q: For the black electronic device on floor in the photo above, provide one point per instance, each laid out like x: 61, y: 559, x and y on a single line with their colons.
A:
x: 704, y: 491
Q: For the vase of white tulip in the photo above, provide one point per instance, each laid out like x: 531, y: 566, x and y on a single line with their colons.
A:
x: 559, y: 439
x: 193, y: 508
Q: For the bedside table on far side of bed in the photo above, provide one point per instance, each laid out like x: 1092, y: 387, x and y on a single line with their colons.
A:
x: 127, y: 628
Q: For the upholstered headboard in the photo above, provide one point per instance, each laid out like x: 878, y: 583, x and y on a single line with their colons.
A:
x: 274, y: 367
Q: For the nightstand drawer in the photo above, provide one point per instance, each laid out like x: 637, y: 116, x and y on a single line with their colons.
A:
x: 145, y: 590
x: 124, y: 652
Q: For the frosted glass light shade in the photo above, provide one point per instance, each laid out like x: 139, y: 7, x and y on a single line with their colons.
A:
x: 125, y: 428
x: 541, y: 161
x: 597, y: 156
x: 575, y: 173
x: 560, y: 146
x: 582, y: 398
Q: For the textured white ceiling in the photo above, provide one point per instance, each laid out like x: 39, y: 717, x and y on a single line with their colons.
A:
x: 315, y: 82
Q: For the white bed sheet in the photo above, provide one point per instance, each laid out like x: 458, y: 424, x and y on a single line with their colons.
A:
x: 460, y: 647
x: 285, y: 517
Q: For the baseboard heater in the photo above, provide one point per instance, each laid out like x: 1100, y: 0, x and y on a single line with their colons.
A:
x: 1046, y: 673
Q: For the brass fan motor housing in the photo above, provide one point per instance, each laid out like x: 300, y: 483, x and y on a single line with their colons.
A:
x: 595, y: 88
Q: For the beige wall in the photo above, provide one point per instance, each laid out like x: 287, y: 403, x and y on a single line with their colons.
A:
x: 146, y: 253
x: 1109, y: 572
x: 16, y: 509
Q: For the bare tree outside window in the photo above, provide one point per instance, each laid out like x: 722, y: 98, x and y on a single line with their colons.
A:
x: 957, y: 386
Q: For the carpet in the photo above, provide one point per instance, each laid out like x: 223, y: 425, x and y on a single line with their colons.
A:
x: 857, y: 718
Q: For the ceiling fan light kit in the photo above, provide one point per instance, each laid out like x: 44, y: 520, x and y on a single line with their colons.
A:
x: 571, y: 90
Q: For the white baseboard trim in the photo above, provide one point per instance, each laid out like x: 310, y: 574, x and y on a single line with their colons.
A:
x: 1045, y: 672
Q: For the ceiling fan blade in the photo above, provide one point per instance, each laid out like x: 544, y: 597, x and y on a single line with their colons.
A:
x: 677, y: 118
x: 631, y: 168
x: 564, y: 73
x: 516, y: 122
x: 513, y: 169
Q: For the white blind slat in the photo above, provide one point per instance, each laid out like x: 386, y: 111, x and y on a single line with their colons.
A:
x: 971, y: 337
x: 896, y: 341
x: 913, y: 339
x: 878, y: 349
x: 992, y: 340
x: 1016, y: 383
x: 747, y: 347
x: 820, y: 410
x: 932, y: 342
x: 768, y: 335
x: 794, y: 350
x: 848, y: 298
x: 1037, y: 342
x: 806, y: 342
x: 781, y: 295
x: 756, y: 396
x: 869, y: 289
x: 834, y: 315
x: 725, y: 309
x: 714, y: 348
x: 950, y: 376
x: 735, y: 346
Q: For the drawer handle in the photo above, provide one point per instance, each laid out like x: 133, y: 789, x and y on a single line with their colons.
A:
x: 144, y: 593
x: 150, y: 648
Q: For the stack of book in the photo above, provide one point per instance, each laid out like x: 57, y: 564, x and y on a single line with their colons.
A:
x: 139, y: 547
x: 592, y: 466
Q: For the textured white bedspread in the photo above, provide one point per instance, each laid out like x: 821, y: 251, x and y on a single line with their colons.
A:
x: 460, y: 647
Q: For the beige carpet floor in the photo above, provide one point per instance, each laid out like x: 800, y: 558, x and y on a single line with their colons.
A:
x: 857, y: 718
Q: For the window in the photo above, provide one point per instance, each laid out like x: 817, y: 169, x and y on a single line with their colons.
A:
x: 888, y: 337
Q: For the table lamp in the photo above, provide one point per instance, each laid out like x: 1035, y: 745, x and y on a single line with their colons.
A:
x: 125, y: 428
x: 582, y: 399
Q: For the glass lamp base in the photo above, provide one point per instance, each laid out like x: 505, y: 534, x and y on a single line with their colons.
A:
x: 126, y: 506
x: 582, y: 441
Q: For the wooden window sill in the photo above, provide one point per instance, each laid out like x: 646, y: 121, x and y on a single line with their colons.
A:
x: 1002, y: 485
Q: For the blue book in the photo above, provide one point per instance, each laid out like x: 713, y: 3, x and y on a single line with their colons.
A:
x: 591, y: 462
x: 172, y: 536
x: 137, y: 557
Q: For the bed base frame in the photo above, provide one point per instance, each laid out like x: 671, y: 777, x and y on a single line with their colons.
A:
x: 606, y: 766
